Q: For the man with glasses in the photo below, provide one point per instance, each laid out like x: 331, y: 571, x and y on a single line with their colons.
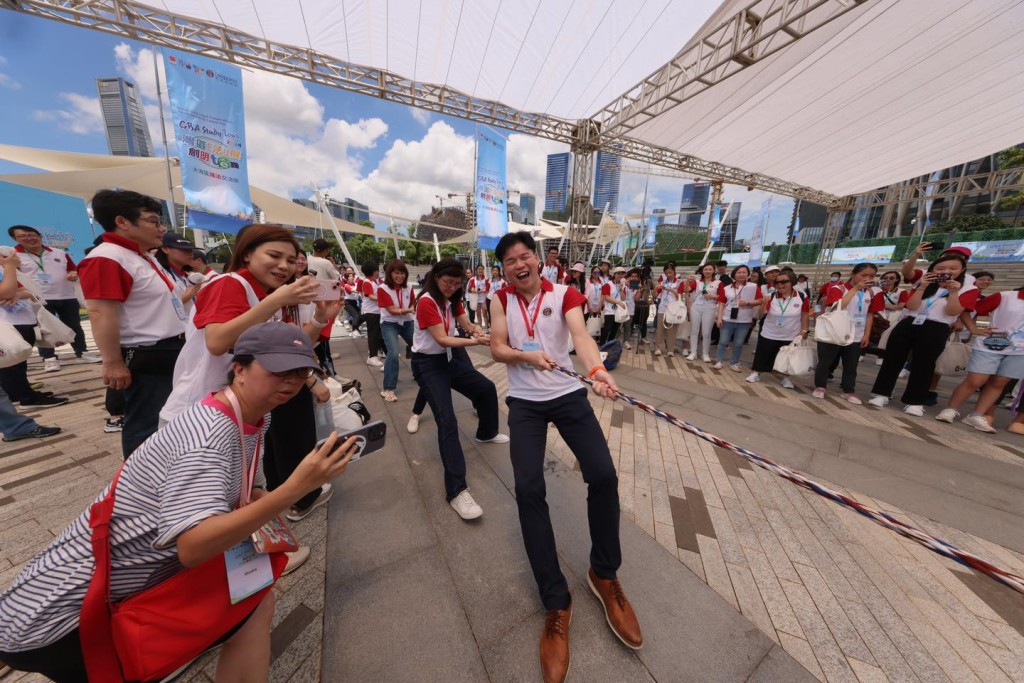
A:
x: 137, y: 321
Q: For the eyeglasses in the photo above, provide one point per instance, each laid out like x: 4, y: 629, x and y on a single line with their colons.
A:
x: 783, y: 282
x: 297, y: 373
x: 151, y: 220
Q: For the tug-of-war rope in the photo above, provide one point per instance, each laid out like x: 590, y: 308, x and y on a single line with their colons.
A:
x: 934, y: 544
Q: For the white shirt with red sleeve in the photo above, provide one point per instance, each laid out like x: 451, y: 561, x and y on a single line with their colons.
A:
x: 479, y: 285
x: 368, y: 288
x: 21, y: 313
x: 934, y: 307
x: 548, y: 309
x: 731, y: 295
x: 671, y: 290
x: 968, y: 278
x: 428, y: 314
x: 698, y: 289
x: 783, y: 317
x: 401, y: 297
x: 1006, y: 311
x: 494, y: 285
x: 50, y: 269
x: 117, y: 271
x: 552, y: 273
x: 613, y: 290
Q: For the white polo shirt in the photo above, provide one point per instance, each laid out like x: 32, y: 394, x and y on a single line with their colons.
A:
x: 50, y: 269
x: 368, y: 288
x: 428, y: 314
x: 402, y: 297
x: 116, y: 270
x: 613, y: 290
x: 548, y: 309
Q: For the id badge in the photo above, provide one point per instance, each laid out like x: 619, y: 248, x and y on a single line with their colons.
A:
x: 920, y: 318
x: 448, y: 352
x: 531, y: 345
x: 44, y: 278
x: 249, y: 572
x: 179, y: 308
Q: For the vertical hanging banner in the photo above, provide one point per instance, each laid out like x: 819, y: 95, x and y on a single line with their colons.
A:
x: 717, y: 219
x: 652, y: 231
x: 209, y: 129
x: 929, y: 194
x: 757, y: 238
x: 491, y: 189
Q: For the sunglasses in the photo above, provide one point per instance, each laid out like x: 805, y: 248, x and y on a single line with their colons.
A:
x: 297, y: 373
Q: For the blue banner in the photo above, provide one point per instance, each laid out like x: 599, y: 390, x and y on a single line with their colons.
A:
x: 717, y: 219
x: 491, y: 188
x: 760, y: 230
x: 209, y: 129
x: 652, y: 231
x: 61, y: 220
x: 991, y: 252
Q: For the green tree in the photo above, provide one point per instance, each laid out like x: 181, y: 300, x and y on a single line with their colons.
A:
x: 364, y: 249
x: 1011, y: 158
x: 968, y: 223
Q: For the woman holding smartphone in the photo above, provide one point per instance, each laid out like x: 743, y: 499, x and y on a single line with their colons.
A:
x: 738, y: 301
x: 441, y: 365
x: 936, y: 303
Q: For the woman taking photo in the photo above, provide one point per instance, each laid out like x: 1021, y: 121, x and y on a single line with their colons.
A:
x: 395, y: 299
x: 613, y: 294
x: 441, y: 365
x: 738, y: 301
x: 669, y: 289
x: 179, y: 501
x: 703, y: 304
x: 787, y: 316
x: 856, y: 296
x: 935, y: 304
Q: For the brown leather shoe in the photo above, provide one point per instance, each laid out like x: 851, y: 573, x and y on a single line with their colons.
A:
x: 554, y: 645
x: 617, y: 610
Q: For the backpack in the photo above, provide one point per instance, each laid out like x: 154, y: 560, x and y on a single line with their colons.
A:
x: 611, y: 353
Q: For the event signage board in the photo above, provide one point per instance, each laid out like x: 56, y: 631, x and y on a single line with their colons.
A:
x: 760, y: 230
x: 61, y: 220
x: 882, y: 254
x: 995, y: 251
x: 652, y: 231
x: 209, y: 128
x: 491, y: 189
x: 717, y: 218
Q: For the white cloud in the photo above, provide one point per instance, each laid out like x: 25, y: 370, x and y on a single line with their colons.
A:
x: 82, y: 114
x: 422, y: 116
x: 5, y: 80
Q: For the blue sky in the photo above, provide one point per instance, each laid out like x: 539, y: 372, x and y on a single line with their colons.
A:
x: 392, y: 157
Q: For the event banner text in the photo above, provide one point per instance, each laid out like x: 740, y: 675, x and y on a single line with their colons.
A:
x: 491, y: 189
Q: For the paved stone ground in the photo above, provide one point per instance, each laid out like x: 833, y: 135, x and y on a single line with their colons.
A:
x: 847, y: 599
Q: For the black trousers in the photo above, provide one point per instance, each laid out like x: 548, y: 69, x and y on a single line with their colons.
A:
x: 765, y: 353
x: 640, y: 315
x: 610, y: 329
x: 66, y: 311
x: 323, y: 356
x: 292, y: 435
x: 374, y: 340
x: 152, y: 371
x: 926, y: 342
x: 352, y: 309
x: 14, y: 379
x: 578, y: 426
x: 827, y: 355
x: 438, y: 378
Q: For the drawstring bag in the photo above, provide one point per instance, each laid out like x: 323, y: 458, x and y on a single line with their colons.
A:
x: 594, y: 326
x: 622, y: 314
x: 796, y: 358
x: 675, y: 313
x: 835, y: 327
x: 13, y: 347
x: 954, y: 358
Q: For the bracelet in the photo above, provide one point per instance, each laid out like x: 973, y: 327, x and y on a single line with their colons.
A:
x: 594, y: 370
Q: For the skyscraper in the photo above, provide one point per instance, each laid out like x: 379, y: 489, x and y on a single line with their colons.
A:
x: 608, y: 169
x: 695, y: 196
x: 528, y: 202
x: 660, y: 213
x: 729, y: 225
x: 124, y: 118
x: 556, y: 187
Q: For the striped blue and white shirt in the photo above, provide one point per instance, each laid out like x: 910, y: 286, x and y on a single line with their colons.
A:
x: 186, y: 472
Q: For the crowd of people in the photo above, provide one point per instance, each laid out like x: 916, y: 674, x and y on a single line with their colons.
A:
x: 214, y: 381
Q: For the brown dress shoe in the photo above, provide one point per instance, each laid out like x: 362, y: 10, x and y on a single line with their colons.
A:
x: 554, y: 645
x: 617, y: 610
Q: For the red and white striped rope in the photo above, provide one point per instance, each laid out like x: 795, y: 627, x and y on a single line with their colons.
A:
x: 904, y: 529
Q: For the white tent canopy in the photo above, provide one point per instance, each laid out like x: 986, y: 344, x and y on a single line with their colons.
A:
x: 875, y: 92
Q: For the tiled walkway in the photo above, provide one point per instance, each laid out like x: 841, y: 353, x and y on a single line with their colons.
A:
x: 848, y: 599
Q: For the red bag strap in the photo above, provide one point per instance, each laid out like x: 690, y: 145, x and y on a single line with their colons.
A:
x: 94, y: 628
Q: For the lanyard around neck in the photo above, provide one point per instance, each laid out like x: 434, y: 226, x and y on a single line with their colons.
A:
x: 248, y: 473
x: 529, y: 321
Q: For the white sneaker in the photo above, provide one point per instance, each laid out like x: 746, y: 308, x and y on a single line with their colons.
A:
x: 692, y: 357
x: 916, y: 411
x: 904, y: 373
x: 671, y: 354
x: 818, y: 393
x: 297, y: 515
x: 414, y: 424
x: 754, y: 377
x: 878, y: 361
x: 627, y: 346
x: 466, y: 506
x: 736, y: 367
x: 355, y: 334
x: 706, y: 358
x: 89, y: 357
x: 854, y: 399
x: 878, y: 401
x: 979, y: 423
x: 947, y: 415
x: 375, y: 362
x: 497, y: 438
x: 787, y: 383
x: 657, y: 352
x: 716, y: 366
x: 51, y: 365
x: 296, y: 559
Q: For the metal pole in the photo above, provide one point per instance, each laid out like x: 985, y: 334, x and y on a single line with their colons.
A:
x: 167, y: 157
x: 437, y: 248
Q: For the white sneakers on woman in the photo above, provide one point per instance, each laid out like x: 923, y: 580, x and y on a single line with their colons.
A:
x: 414, y: 424
x: 754, y: 377
x: 497, y: 438
x: 692, y: 357
x: 787, y: 383
x: 947, y: 415
x: 980, y: 423
x: 465, y: 506
x: 916, y: 411
x: 879, y: 401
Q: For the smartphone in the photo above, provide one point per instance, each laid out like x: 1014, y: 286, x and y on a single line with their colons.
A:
x: 328, y: 290
x: 945, y: 277
x: 369, y: 438
x: 937, y: 246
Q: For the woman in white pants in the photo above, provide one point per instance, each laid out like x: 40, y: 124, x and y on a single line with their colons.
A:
x: 703, y: 305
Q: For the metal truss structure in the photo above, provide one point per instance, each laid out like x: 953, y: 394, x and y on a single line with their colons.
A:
x: 759, y: 30
x: 133, y: 20
x: 586, y: 142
